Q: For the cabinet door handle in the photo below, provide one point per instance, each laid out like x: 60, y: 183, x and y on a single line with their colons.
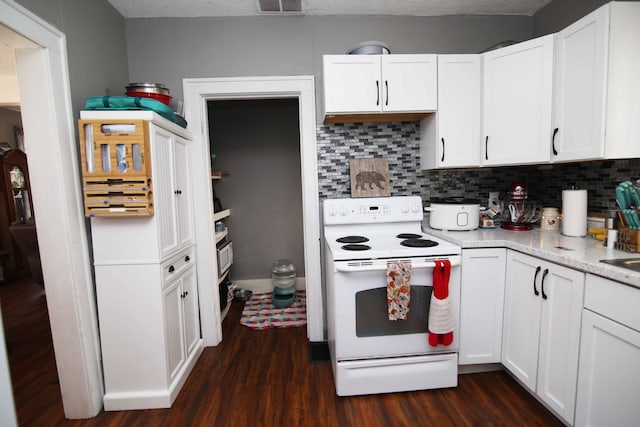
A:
x: 486, y: 147
x: 182, y: 295
x: 386, y: 84
x: 187, y: 259
x: 535, y: 277
x: 171, y: 269
x: 377, y: 92
x: 553, y: 142
x: 178, y: 192
x: 442, y: 159
x: 544, y: 274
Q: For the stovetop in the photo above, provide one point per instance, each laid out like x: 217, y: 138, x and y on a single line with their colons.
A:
x: 384, y: 227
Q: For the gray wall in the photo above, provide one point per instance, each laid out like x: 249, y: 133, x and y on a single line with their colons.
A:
x: 8, y: 120
x: 560, y: 13
x: 96, y: 45
x: 168, y: 50
x: 258, y: 143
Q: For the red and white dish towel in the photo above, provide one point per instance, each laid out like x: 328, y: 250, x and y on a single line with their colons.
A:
x: 441, y: 322
x: 398, y: 290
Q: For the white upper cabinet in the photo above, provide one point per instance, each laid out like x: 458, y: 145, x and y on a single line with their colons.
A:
x: 597, y: 92
x: 352, y: 83
x: 451, y: 137
x: 172, y: 190
x: 372, y: 84
x: 409, y: 83
x: 517, y: 103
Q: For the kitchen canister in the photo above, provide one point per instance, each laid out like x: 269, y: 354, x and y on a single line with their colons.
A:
x: 550, y: 219
x: 574, y: 212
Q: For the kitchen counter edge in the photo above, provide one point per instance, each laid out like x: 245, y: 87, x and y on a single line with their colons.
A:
x: 580, y: 253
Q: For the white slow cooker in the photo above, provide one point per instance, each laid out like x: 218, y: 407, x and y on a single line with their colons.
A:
x: 453, y: 213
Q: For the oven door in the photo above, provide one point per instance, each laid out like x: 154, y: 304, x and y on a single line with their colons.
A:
x: 362, y: 328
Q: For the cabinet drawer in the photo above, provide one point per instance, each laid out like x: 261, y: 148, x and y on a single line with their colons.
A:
x: 177, y: 264
x: 614, y: 300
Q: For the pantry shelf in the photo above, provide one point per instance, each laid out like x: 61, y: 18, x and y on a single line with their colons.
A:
x: 217, y: 216
x: 221, y: 235
x: 218, y: 174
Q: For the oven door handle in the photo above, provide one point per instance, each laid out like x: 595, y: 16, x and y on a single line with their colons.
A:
x: 356, y: 268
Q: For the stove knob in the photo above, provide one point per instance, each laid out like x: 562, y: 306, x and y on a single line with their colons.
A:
x: 415, y: 208
x: 404, y: 209
x: 343, y: 211
x: 332, y: 212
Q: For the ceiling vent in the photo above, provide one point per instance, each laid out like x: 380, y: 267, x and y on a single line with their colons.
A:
x: 286, y: 7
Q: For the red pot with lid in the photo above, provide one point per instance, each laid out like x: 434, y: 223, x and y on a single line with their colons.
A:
x: 149, y: 90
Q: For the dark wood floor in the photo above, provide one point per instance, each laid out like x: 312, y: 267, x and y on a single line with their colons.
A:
x: 255, y: 378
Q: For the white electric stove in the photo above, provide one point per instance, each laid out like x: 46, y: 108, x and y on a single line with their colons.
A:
x: 371, y: 354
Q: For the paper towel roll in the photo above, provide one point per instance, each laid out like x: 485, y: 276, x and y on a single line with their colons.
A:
x: 574, y: 212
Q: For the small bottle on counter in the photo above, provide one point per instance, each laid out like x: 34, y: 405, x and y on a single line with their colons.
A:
x: 612, y: 237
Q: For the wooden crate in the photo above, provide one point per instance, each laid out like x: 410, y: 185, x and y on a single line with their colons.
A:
x: 628, y: 240
x: 116, y: 167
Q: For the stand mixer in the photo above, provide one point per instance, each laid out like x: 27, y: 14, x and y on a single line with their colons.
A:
x: 520, y: 214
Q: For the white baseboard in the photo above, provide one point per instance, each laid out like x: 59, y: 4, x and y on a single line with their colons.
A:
x: 265, y: 285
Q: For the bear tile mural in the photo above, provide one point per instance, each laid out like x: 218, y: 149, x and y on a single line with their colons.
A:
x: 369, y: 177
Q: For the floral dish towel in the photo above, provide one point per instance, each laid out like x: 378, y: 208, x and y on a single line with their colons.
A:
x: 398, y: 290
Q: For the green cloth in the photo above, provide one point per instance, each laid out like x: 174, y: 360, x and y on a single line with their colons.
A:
x: 134, y: 103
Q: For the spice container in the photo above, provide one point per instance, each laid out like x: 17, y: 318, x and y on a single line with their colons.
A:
x: 550, y: 219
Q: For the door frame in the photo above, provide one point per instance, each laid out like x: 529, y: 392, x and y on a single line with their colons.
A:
x: 197, y: 92
x: 50, y: 140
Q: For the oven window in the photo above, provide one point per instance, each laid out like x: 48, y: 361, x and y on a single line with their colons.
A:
x: 372, y: 319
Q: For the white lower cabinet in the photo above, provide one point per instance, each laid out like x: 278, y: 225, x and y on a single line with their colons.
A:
x: 180, y: 320
x: 481, y: 304
x: 149, y: 330
x: 609, y: 376
x: 541, y: 329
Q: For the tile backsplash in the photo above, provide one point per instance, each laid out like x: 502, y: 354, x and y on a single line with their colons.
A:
x: 398, y: 142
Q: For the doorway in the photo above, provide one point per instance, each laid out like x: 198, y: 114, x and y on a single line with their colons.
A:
x: 41, y: 64
x: 256, y: 145
x: 197, y: 92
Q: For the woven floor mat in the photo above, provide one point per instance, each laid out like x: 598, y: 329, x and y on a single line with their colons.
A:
x: 258, y: 313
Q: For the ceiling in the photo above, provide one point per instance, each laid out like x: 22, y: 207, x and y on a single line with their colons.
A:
x: 191, y: 8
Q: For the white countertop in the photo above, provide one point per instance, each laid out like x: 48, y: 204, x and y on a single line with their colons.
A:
x: 580, y: 253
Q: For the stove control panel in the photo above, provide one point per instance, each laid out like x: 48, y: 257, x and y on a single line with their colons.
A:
x: 372, y: 210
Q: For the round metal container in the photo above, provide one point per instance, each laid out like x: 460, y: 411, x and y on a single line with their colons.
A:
x: 148, y: 88
x: 370, y: 48
x: 242, y: 294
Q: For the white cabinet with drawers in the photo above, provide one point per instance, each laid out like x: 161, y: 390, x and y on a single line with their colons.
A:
x: 146, y: 284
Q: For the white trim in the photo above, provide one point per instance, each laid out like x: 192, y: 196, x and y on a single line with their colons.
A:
x: 196, y: 94
x: 50, y: 141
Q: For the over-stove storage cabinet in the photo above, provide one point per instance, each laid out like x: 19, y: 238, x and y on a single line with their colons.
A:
x: 146, y: 283
x: 541, y: 329
x: 378, y: 84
